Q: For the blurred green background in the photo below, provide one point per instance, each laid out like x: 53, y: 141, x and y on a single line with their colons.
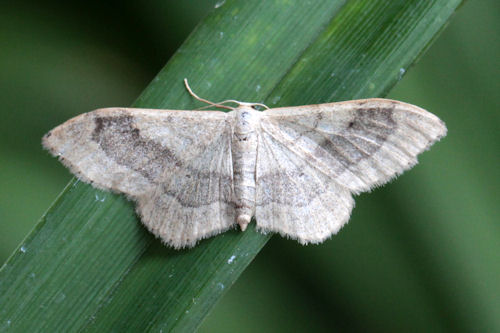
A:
x: 421, y: 253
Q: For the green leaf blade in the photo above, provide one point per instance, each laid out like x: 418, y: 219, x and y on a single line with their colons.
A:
x: 97, y: 269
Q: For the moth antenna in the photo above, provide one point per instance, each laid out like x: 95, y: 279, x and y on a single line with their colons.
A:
x: 219, y: 105
x: 208, y: 106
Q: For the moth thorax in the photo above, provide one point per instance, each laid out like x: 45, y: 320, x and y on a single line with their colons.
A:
x: 246, y: 120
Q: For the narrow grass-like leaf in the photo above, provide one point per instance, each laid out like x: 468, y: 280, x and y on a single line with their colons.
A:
x: 90, y: 266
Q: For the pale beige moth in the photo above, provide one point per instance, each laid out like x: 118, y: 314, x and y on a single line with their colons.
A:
x: 194, y: 174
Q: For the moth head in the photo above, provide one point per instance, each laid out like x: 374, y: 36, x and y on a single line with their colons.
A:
x: 254, y: 106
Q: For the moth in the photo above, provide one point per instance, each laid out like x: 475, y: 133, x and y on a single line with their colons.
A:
x: 194, y: 174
